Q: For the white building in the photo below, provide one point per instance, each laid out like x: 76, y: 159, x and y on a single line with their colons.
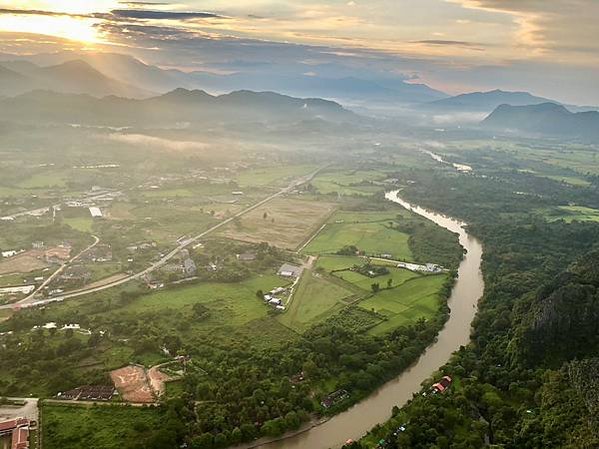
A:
x: 95, y: 212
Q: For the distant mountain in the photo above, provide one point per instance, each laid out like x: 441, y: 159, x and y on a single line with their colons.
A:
x: 70, y: 77
x: 178, y: 106
x: 132, y: 72
x: 546, y: 119
x: 485, y: 101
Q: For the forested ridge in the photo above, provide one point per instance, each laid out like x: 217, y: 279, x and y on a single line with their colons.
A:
x: 529, y: 379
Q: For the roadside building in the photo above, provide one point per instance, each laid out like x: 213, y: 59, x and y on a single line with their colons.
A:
x: 95, y: 212
x: 290, y: 271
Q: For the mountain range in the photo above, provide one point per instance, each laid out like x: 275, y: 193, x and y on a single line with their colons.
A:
x: 117, y: 74
x: 548, y: 119
x: 485, y: 101
x: 77, y: 77
x: 176, y: 107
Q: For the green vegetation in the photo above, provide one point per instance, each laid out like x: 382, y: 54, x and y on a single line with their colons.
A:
x: 314, y: 300
x: 260, y: 177
x: 573, y: 213
x: 350, y: 182
x: 102, y: 427
x: 372, y: 237
x: 82, y: 224
x: 413, y: 300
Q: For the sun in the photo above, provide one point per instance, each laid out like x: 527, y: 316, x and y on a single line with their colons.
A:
x: 78, y: 29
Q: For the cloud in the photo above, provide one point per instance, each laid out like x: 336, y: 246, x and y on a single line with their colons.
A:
x: 34, y: 12
x: 446, y: 42
x: 145, y: 14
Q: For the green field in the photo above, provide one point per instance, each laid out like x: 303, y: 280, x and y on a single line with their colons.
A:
x: 42, y: 180
x: 239, y: 299
x: 314, y: 300
x: 572, y: 180
x: 261, y: 177
x: 373, y: 237
x: 416, y: 298
x: 101, y: 427
x: 397, y: 275
x: 572, y: 213
x: 351, y: 182
x: 334, y: 263
x: 83, y: 224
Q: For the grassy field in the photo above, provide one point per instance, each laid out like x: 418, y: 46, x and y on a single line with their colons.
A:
x: 415, y: 299
x: 261, y: 177
x: 5, y: 314
x: 83, y: 224
x: 572, y: 213
x: 373, y: 237
x: 572, y: 180
x: 41, y: 180
x: 238, y: 298
x: 104, y: 427
x: 334, y: 263
x: 283, y: 222
x: 315, y: 299
x: 351, y: 182
x: 397, y: 275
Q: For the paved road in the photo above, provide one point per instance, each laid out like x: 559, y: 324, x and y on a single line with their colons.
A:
x: 31, y: 297
x: 296, y: 183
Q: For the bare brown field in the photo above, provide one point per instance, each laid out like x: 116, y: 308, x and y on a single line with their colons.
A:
x: 24, y: 262
x: 133, y: 384
x: 287, y: 224
x: 158, y: 379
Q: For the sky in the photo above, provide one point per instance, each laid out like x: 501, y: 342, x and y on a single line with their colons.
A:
x: 547, y: 47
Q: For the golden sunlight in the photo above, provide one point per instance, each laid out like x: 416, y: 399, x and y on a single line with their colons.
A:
x: 82, y: 30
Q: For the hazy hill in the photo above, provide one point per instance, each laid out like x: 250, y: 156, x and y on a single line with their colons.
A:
x: 485, y: 101
x: 547, y: 118
x: 178, y: 106
x: 70, y: 77
x: 133, y: 72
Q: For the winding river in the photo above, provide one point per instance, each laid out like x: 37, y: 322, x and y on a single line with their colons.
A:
x: 376, y: 409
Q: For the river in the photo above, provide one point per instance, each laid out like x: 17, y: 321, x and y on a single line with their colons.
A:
x: 376, y: 409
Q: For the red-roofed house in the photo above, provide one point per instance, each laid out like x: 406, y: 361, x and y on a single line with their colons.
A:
x: 443, y: 384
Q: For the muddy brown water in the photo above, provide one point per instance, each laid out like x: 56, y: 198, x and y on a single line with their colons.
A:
x: 376, y: 409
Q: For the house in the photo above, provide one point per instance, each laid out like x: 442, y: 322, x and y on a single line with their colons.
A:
x: 77, y: 273
x: 18, y: 429
x: 290, y: 271
x: 442, y: 385
x: 189, y: 267
x: 37, y: 245
x: 275, y: 302
x: 334, y: 398
x: 95, y: 212
x: 9, y: 253
x: 212, y: 267
x: 246, y: 257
